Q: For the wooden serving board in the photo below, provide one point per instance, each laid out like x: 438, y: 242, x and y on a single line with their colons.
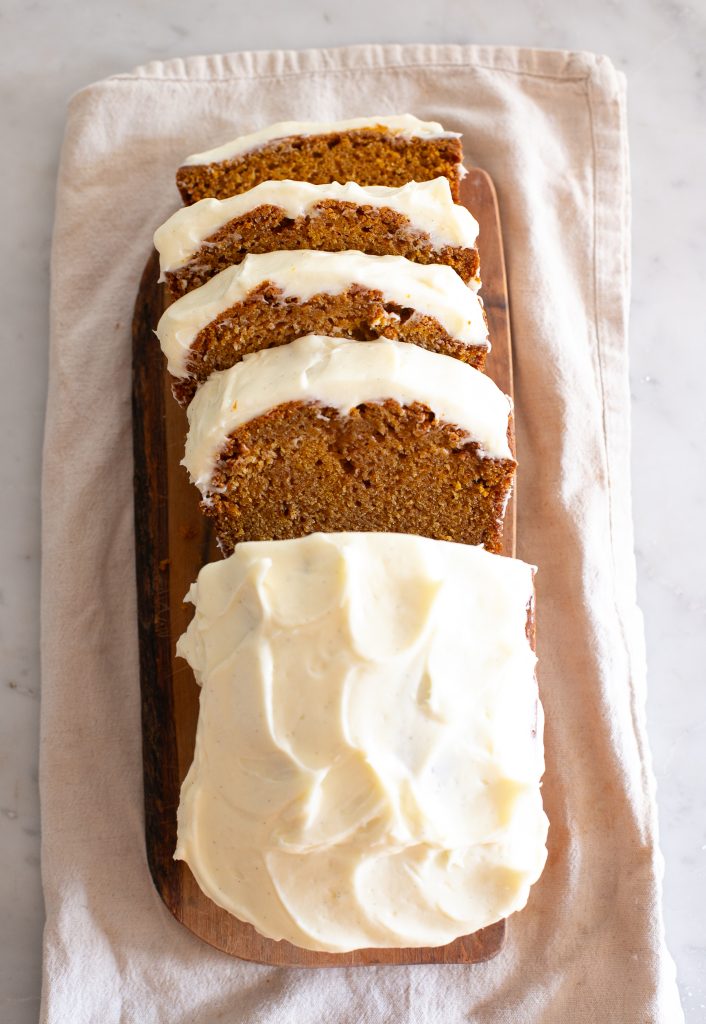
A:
x: 173, y: 541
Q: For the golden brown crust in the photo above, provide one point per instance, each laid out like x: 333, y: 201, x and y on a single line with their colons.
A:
x: 332, y: 226
x: 304, y: 467
x: 368, y: 155
x: 267, y: 318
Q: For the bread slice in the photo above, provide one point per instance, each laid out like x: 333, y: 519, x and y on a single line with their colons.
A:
x: 419, y: 221
x: 388, y: 150
x: 328, y: 434
x: 273, y: 298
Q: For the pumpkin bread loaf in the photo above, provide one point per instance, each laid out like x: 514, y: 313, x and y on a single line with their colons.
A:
x: 369, y: 752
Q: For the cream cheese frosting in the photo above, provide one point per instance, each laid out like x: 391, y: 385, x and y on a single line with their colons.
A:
x: 427, y: 205
x: 431, y: 289
x: 404, y: 125
x: 369, y: 746
x: 342, y: 374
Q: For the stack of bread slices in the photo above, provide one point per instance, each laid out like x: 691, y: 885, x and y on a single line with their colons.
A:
x: 364, y: 650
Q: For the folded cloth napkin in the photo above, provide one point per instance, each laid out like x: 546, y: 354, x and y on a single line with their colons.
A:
x: 550, y: 129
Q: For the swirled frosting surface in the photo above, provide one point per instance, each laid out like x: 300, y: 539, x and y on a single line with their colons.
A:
x: 369, y: 748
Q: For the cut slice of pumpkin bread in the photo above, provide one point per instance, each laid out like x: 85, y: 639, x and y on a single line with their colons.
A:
x: 273, y: 298
x: 330, y: 434
x: 419, y: 221
x: 390, y: 150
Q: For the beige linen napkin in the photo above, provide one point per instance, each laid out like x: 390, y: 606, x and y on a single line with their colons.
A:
x: 550, y: 129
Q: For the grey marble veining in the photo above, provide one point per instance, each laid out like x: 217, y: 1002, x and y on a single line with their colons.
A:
x: 52, y: 48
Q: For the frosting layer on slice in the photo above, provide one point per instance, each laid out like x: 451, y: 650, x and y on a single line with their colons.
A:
x: 342, y: 374
x: 369, y: 747
x: 431, y: 289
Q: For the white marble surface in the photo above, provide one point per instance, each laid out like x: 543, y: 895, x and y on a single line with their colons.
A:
x: 52, y: 48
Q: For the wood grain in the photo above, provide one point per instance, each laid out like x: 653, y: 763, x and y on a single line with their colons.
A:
x: 173, y: 541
